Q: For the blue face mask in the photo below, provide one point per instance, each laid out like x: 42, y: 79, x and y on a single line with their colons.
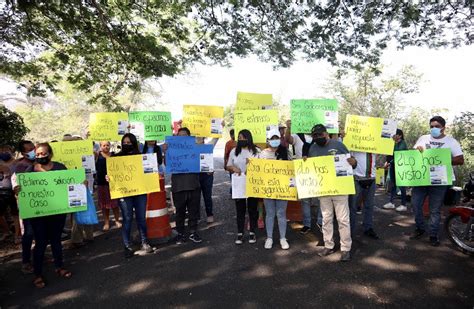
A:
x: 31, y: 155
x: 435, y: 132
x: 274, y: 143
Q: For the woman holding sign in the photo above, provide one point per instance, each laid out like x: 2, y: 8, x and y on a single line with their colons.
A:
x: 237, y: 165
x: 131, y: 204
x: 275, y: 151
x: 47, y: 229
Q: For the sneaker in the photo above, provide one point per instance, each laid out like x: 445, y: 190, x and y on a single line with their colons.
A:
x: 194, y: 237
x: 345, y: 256
x: 401, y: 208
x: 210, y: 219
x: 326, y: 252
x: 128, y: 251
x: 240, y: 239
x: 359, y: 211
x: 147, y: 248
x: 284, y: 244
x: 417, y: 234
x: 180, y: 239
x: 388, y: 206
x: 371, y: 233
x: 305, y: 230
x: 268, y: 243
x: 434, y: 241
x: 252, y: 238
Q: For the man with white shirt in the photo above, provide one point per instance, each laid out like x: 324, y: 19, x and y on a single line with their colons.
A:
x: 436, y: 139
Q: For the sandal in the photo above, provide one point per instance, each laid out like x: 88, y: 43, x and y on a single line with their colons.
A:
x: 39, y: 282
x: 26, y: 269
x: 63, y: 273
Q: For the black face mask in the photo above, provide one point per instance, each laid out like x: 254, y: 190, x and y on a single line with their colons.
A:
x: 43, y: 160
x: 243, y: 143
x: 126, y: 148
x: 321, y: 141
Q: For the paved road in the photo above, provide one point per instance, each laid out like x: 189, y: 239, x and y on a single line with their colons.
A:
x: 391, y: 272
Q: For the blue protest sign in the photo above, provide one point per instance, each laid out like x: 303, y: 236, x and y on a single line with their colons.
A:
x: 182, y: 155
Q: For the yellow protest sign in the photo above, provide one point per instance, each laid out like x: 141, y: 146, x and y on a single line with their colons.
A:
x: 273, y: 179
x: 370, y: 134
x: 253, y: 101
x: 71, y: 153
x: 258, y: 122
x: 108, y: 126
x: 318, y: 177
x: 203, y: 121
x: 128, y: 178
x: 380, y: 176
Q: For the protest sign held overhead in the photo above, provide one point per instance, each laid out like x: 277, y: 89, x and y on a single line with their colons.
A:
x: 75, y: 154
x: 203, y: 121
x: 370, y: 134
x: 108, y: 126
x: 272, y: 179
x: 324, y: 176
x: 51, y: 193
x: 258, y: 122
x: 150, y: 126
x: 307, y: 113
x: 128, y: 176
x: 432, y: 167
x: 253, y: 101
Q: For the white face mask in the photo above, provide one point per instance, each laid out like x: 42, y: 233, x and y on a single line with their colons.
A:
x: 308, y: 138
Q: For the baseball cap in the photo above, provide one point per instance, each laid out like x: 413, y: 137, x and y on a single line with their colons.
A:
x: 318, y: 129
x: 272, y: 133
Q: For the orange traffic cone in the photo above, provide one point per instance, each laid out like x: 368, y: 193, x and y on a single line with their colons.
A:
x: 157, y: 217
x: 294, y: 211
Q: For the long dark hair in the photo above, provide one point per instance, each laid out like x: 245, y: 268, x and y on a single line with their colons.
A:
x: 133, y: 140
x: 281, y: 153
x: 248, y: 136
x: 400, y: 132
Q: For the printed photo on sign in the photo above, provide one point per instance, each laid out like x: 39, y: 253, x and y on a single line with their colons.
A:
x: 389, y: 128
x: 122, y: 127
x: 138, y: 129
x: 206, y: 162
x: 438, y: 175
x: 77, y: 195
x: 216, y: 126
x: 238, y: 186
x: 343, y: 168
x: 88, y: 163
x: 150, y: 163
x: 331, y: 120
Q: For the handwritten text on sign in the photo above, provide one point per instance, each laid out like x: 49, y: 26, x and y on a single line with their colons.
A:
x: 253, y: 101
x: 203, y: 121
x: 257, y: 122
x: 430, y: 167
x: 51, y: 193
x: 272, y: 179
x: 150, y: 126
x: 128, y: 178
x: 108, y: 126
x: 182, y: 155
x: 71, y: 153
x: 307, y: 113
x: 370, y: 134
x: 317, y: 177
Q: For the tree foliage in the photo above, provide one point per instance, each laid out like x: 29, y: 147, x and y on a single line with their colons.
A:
x: 12, y: 127
x: 104, y: 46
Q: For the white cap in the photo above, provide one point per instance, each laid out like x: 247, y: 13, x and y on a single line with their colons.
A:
x: 273, y: 132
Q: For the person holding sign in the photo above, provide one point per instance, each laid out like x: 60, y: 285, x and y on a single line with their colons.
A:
x: 153, y: 147
x: 275, y: 151
x: 337, y: 204
x: 206, y: 181
x: 47, y: 229
x: 237, y: 164
x: 400, y: 145
x: 131, y: 204
x: 435, y: 193
x: 103, y: 190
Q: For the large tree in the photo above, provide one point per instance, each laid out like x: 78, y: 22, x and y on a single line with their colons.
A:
x: 12, y: 127
x: 107, y: 45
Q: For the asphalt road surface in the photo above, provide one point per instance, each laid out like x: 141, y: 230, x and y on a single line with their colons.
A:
x: 391, y: 272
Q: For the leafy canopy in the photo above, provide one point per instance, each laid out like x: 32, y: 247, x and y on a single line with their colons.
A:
x: 103, y: 46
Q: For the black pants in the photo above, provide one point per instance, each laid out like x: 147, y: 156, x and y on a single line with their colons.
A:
x: 241, y: 205
x: 46, y: 230
x: 189, y: 200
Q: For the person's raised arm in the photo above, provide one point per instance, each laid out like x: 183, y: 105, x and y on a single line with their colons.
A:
x: 288, y: 138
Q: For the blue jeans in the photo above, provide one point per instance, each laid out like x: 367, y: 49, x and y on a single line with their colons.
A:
x: 127, y: 205
x: 393, y: 193
x: 206, y: 181
x: 436, y: 196
x: 26, y: 241
x: 277, y: 207
x: 368, y: 210
x: 306, y: 208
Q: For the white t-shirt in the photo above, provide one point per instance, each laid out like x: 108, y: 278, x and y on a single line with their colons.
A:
x: 363, y: 168
x: 298, y: 144
x: 429, y: 142
x: 270, y: 155
x: 240, y: 161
